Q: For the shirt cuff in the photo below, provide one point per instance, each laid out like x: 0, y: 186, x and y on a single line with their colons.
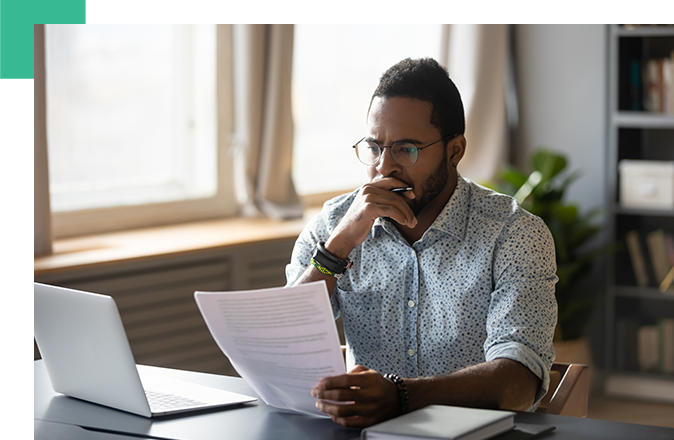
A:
x: 527, y: 357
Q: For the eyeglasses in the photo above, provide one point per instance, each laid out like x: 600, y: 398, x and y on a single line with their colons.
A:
x: 405, y: 153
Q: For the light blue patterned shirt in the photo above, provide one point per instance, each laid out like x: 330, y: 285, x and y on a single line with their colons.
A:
x: 479, y: 285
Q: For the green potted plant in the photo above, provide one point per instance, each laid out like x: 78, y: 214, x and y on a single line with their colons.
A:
x: 541, y: 192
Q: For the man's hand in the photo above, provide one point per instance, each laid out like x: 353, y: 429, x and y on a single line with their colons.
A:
x: 374, y: 200
x: 360, y: 398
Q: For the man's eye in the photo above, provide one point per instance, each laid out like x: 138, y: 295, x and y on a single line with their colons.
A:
x: 408, y: 149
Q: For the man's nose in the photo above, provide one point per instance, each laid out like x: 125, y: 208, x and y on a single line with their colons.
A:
x: 387, y: 165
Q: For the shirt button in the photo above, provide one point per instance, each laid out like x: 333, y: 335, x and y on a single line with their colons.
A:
x: 410, y: 352
x: 410, y: 303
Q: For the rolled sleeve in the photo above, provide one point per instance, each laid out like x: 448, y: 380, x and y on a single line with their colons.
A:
x: 523, y: 309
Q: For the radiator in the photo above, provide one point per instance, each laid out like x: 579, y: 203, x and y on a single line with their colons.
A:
x: 156, y: 299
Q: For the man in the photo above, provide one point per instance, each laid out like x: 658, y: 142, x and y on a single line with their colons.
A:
x: 446, y: 288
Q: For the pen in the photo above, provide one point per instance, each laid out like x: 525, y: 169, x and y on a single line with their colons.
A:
x: 399, y: 190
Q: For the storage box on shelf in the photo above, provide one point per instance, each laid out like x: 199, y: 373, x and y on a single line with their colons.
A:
x: 646, y: 184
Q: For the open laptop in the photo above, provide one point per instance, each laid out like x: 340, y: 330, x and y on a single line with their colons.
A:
x: 87, y: 355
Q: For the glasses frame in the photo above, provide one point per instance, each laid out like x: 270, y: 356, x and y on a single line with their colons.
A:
x: 381, y: 150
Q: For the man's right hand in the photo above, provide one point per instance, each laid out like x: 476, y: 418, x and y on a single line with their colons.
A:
x: 374, y: 200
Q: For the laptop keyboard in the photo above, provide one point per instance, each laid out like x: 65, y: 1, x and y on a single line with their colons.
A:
x: 160, y: 402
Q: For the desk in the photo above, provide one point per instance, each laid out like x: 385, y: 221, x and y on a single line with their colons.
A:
x: 58, y: 416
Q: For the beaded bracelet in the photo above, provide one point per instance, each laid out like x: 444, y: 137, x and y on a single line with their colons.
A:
x: 322, y: 269
x: 403, y: 396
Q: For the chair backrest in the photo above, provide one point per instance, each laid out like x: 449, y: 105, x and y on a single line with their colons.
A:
x: 569, y: 390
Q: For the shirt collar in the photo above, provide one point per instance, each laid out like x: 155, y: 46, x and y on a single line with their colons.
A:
x: 453, y: 218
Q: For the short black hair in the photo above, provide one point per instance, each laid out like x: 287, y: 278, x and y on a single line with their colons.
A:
x: 425, y: 79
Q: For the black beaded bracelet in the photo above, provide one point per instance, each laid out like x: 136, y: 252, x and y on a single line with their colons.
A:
x: 403, y: 396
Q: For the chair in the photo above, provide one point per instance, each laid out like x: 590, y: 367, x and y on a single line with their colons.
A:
x: 569, y: 390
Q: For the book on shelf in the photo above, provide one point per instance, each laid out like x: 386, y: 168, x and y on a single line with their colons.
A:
x: 666, y: 345
x: 654, y: 348
x: 648, y: 348
x: 658, y: 252
x: 443, y: 422
x: 637, y: 258
x: 656, y: 83
x: 652, y: 260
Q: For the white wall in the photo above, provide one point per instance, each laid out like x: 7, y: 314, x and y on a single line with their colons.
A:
x: 562, y: 81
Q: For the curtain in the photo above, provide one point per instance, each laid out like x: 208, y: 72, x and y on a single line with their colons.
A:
x: 263, y: 139
x: 476, y: 57
x: 42, y: 234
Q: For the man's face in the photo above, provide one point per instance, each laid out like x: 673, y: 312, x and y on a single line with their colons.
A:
x: 405, y: 119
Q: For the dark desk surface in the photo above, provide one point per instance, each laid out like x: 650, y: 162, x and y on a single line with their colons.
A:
x: 57, y: 416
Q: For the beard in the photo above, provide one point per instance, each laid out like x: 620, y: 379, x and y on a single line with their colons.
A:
x: 433, y: 186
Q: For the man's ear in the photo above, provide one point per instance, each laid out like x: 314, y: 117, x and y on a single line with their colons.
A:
x: 457, y: 148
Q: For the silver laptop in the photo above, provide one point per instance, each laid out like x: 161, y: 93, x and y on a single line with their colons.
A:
x: 87, y: 355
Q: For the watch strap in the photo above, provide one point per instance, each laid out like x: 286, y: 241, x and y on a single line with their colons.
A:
x: 329, y: 261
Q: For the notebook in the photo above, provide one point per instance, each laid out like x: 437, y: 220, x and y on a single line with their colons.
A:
x: 443, y: 423
x: 87, y: 355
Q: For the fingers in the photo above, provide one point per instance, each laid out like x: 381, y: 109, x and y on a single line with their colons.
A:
x: 380, y: 202
x: 373, y: 201
x: 360, y: 398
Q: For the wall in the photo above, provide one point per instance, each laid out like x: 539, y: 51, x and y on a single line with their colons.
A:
x: 562, y: 81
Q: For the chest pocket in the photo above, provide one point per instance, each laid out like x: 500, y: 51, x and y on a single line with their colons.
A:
x: 361, y: 313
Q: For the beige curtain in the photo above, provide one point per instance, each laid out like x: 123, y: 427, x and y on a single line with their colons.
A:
x: 476, y: 57
x: 263, y: 139
x: 42, y: 235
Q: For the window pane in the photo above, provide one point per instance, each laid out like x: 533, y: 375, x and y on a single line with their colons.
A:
x: 335, y: 70
x: 130, y: 114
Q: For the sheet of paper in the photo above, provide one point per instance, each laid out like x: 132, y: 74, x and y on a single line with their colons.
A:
x: 281, y: 341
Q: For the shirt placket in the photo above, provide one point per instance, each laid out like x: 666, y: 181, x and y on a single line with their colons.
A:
x: 411, y: 307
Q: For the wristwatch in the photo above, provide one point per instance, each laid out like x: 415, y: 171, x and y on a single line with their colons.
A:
x: 336, y: 266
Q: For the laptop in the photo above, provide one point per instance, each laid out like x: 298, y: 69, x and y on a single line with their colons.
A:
x: 87, y: 355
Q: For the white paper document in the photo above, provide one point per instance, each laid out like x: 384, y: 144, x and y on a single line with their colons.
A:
x: 282, y: 341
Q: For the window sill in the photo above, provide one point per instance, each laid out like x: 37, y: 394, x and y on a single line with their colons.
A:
x: 135, y: 245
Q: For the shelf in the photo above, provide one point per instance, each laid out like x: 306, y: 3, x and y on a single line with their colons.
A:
x: 643, y: 293
x: 641, y: 386
x: 645, y: 31
x: 634, y: 119
x: 634, y: 135
x: 643, y: 212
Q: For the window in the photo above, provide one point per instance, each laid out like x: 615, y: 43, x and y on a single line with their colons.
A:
x: 335, y: 70
x: 132, y: 125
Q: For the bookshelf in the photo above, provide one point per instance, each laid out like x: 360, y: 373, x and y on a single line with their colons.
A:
x: 636, y: 310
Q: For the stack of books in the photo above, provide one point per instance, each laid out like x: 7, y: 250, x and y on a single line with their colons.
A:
x: 648, y: 348
x: 651, y: 84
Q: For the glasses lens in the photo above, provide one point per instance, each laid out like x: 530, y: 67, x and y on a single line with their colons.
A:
x: 405, y: 154
x: 368, y: 152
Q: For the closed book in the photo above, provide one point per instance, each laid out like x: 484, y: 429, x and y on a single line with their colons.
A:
x: 637, y: 258
x: 443, y: 422
x: 658, y: 253
x: 649, y: 353
x: 666, y: 327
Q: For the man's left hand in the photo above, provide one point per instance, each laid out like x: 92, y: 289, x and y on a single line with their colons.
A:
x: 360, y: 398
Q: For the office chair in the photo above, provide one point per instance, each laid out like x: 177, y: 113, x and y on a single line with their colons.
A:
x: 569, y: 390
